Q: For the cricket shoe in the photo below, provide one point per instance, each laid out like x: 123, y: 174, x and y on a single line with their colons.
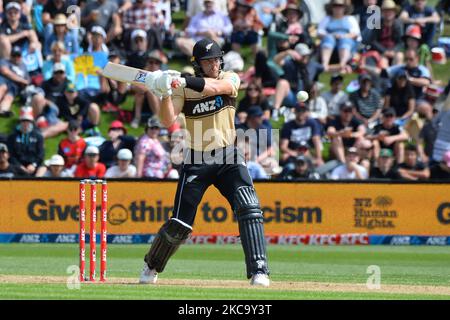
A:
x: 148, y: 276
x: 260, y: 280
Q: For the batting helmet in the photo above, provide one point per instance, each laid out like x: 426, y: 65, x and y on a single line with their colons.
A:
x: 205, y: 49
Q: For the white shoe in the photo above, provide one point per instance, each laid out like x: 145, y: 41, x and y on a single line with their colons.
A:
x: 260, y: 279
x: 148, y: 276
x: 135, y: 123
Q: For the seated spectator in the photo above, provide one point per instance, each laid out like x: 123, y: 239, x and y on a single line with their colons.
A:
x: 259, y: 135
x: 8, y: 170
x: 268, y: 9
x: 14, y: 73
x: 208, y: 24
x: 90, y: 167
x: 72, y: 147
x: 123, y: 168
x: 118, y: 141
x: 246, y: 26
x: 388, y: 135
x: 54, y: 168
x: 336, y: 96
x: 367, y: 101
x: 300, y: 72
x: 58, y: 50
x: 302, y: 168
x: 144, y: 100
x: 255, y: 170
x: 302, y: 128
x: 412, y: 168
x: 317, y: 105
x: 138, y: 54
x: 26, y: 144
x: 350, y: 169
x: 418, y: 75
x: 413, y: 40
x: 152, y: 161
x: 16, y: 33
x: 423, y: 15
x: 387, y: 39
x: 50, y: 10
x: 97, y: 40
x: 114, y: 92
x: 105, y: 14
x: 345, y: 131
x: 384, y: 168
x: 401, y: 97
x: 73, y: 107
x: 62, y: 34
x: 441, y: 171
x: 428, y: 133
x: 338, y: 30
x: 253, y: 97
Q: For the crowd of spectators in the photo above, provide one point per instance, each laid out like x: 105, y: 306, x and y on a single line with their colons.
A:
x: 381, y: 114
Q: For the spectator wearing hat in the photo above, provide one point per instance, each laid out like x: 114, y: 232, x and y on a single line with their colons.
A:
x: 387, y: 39
x: 61, y: 33
x: 400, y: 96
x: 118, y: 139
x: 384, y: 168
x: 424, y: 16
x: 72, y: 147
x: 105, y: 14
x: 302, y: 168
x: 367, y: 101
x: 351, y: 170
x: 137, y: 56
x: 418, y: 75
x: 302, y: 128
x: 97, y: 40
x: 345, y: 131
x: 253, y: 96
x: 413, y: 40
x: 388, y: 135
x: 59, y: 56
x: 7, y: 169
x: 412, y: 168
x: 299, y: 73
x: 335, y: 97
x: 152, y: 161
x: 54, y: 168
x: 51, y: 9
x: 74, y: 107
x: 90, y: 167
x: 441, y: 170
x: 145, y: 102
x: 124, y: 168
x: 15, y: 32
x: 340, y: 31
x: 246, y: 26
x: 209, y: 23
x: 26, y: 144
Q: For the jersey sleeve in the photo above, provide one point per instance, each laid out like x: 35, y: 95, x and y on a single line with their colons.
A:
x: 234, y: 80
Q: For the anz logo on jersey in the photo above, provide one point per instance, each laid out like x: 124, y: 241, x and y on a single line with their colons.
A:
x: 208, y: 106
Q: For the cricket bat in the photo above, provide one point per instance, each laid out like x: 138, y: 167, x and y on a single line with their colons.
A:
x: 122, y: 73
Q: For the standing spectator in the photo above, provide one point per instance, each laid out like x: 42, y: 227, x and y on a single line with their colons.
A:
x: 253, y: 97
x: 367, y: 101
x: 441, y: 170
x: 118, y: 140
x: 61, y: 33
x: 7, y: 169
x: 16, y: 33
x: 345, y: 131
x: 388, y: 135
x: 428, y: 133
x: 246, y: 26
x: 72, y: 147
x: 336, y: 96
x: 384, y: 168
x: 103, y: 13
x: 124, y: 168
x: 54, y: 168
x: 207, y: 24
x: 351, y: 169
x: 423, y: 15
x: 302, y: 128
x: 301, y: 169
x: 90, y: 167
x: 412, y: 168
x: 401, y: 97
x: 58, y: 50
x: 151, y: 159
x: 26, y: 144
x: 340, y: 31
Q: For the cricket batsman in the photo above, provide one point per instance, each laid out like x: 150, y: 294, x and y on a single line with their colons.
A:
x: 208, y: 102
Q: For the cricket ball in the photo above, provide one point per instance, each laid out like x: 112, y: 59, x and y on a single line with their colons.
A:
x: 302, y: 96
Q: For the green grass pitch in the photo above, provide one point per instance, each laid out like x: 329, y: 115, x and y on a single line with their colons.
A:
x: 40, y: 271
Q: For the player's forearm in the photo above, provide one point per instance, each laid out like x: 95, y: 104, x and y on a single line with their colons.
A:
x: 167, y: 112
x: 216, y: 87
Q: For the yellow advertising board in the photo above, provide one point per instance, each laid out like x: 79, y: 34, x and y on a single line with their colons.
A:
x: 138, y: 207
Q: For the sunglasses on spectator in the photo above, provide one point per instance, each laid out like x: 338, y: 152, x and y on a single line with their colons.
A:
x: 91, y: 154
x: 348, y: 111
x: 155, y: 128
x: 59, y: 72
